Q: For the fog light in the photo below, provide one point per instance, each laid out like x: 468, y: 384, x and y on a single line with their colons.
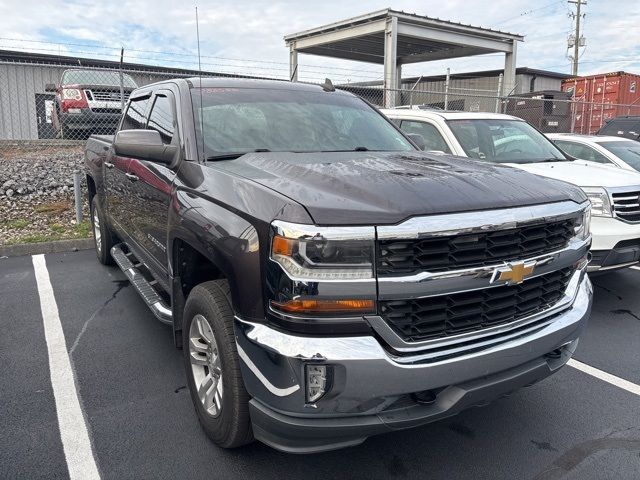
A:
x: 316, y: 382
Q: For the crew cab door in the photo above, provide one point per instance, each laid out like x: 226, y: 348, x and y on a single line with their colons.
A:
x: 151, y: 184
x: 116, y: 168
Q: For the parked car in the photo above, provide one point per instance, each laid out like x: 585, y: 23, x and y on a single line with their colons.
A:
x: 611, y: 151
x: 89, y: 101
x: 625, y: 126
x: 504, y: 139
x: 326, y: 280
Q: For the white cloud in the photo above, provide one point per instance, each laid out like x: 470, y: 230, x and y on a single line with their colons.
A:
x: 254, y: 30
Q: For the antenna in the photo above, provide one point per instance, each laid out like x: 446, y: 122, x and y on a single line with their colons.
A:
x: 200, y: 81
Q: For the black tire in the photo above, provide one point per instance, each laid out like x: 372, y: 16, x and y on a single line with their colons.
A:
x: 231, y: 427
x: 105, y: 242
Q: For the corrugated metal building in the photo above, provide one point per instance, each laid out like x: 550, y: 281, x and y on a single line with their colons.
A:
x: 473, y: 91
x: 527, y: 80
x: 25, y: 105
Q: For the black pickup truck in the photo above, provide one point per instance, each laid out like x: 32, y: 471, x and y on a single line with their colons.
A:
x: 325, y: 279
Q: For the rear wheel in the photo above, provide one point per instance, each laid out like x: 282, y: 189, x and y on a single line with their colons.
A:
x: 102, y: 236
x: 213, y: 366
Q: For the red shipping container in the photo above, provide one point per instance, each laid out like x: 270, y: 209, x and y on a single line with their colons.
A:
x: 602, y: 97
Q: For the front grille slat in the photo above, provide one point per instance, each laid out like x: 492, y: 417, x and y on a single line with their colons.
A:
x: 626, y: 206
x: 455, y: 313
x: 403, y: 257
x: 106, y: 95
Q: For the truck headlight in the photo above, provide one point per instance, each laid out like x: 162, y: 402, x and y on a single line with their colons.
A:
x: 310, y: 258
x: 71, y: 94
x: 599, y: 198
x: 318, y: 258
x: 582, y: 227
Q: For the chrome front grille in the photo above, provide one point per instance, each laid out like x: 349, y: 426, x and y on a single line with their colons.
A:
x: 456, y: 313
x: 626, y: 205
x: 440, y: 253
x: 437, y: 281
x: 105, y: 95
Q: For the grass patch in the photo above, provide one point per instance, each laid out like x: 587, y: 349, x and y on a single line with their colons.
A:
x: 57, y: 232
x: 53, y: 208
x: 83, y: 229
x: 15, y: 224
x: 57, y: 228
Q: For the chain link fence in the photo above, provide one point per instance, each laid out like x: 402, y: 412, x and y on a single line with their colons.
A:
x: 48, y: 108
x: 51, y: 108
x: 57, y: 103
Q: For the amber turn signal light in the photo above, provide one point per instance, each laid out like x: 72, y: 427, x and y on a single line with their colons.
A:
x: 325, y: 306
x: 282, y: 246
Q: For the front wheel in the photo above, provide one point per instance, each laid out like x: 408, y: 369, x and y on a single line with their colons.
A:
x: 213, y: 366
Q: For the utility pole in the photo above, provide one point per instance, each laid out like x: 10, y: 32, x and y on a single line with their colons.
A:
x: 577, y: 40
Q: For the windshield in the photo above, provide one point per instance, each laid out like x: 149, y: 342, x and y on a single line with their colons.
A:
x: 239, y: 120
x: 504, y: 141
x: 628, y: 152
x: 95, y: 77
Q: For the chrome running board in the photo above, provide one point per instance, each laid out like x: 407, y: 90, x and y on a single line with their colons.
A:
x: 142, y: 285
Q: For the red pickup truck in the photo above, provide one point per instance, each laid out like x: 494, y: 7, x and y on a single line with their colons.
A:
x: 89, y: 101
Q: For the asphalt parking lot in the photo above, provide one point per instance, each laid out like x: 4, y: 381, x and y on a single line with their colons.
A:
x: 141, y: 423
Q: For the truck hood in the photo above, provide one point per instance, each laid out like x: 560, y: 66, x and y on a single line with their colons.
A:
x: 371, y: 188
x: 583, y: 173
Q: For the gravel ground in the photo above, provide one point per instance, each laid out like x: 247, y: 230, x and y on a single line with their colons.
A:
x: 36, y: 193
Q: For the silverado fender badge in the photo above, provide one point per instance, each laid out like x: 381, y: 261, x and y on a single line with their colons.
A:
x: 514, y: 273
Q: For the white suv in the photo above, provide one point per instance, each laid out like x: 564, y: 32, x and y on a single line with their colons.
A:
x: 607, y: 150
x: 492, y: 137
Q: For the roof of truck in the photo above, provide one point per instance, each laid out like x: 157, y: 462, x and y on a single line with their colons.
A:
x: 254, y: 83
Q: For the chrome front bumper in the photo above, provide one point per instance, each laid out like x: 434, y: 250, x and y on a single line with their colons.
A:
x: 371, y: 389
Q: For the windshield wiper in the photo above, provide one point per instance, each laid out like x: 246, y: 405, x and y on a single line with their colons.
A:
x: 555, y: 159
x: 232, y: 155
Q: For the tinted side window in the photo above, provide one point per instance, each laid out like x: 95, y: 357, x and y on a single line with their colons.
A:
x: 582, y: 152
x: 162, y: 119
x: 625, y: 127
x: 432, y: 138
x: 136, y: 115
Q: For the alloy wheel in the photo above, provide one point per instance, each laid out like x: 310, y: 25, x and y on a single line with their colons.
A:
x: 205, y: 365
x: 96, y: 230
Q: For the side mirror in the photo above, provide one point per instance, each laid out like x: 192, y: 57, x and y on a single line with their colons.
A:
x: 144, y: 145
x: 417, y: 139
x: 50, y: 87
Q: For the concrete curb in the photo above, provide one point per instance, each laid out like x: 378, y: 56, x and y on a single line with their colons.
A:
x: 57, y: 246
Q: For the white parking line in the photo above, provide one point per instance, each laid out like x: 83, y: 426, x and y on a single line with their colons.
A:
x: 73, y: 430
x: 604, y: 376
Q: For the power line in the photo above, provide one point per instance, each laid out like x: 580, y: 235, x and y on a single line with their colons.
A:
x: 529, y: 12
x: 158, y: 52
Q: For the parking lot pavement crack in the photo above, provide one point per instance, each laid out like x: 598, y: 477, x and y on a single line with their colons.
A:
x: 120, y: 285
x: 609, y: 291
x: 623, y: 311
x: 569, y: 460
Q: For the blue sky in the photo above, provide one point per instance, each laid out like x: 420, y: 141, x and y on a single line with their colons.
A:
x: 247, y: 36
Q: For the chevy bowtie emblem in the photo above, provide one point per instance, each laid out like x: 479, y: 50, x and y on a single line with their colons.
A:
x: 514, y: 273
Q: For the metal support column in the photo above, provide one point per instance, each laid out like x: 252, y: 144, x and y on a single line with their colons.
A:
x: 390, y: 62
x: 398, y: 86
x: 509, y: 81
x: 293, y: 62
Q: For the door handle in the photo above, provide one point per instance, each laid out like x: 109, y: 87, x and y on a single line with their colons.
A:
x: 132, y: 177
x: 108, y: 164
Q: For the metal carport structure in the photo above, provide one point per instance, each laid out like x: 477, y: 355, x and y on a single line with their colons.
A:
x: 394, y: 38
